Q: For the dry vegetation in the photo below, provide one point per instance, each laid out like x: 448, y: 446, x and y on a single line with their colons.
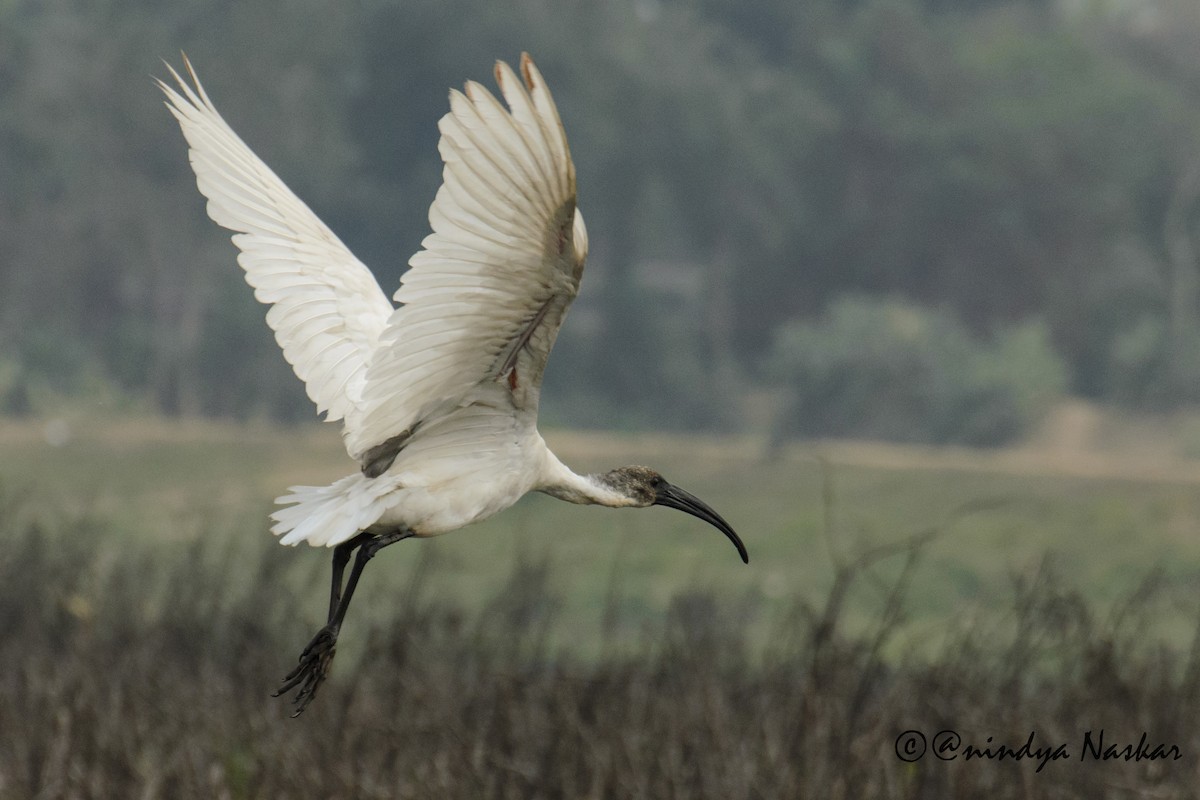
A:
x: 134, y: 670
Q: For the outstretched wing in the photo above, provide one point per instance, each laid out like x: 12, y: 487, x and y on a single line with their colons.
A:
x: 327, y: 310
x: 486, y: 296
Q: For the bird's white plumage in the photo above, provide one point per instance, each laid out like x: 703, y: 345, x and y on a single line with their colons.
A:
x: 327, y: 310
x: 459, y: 364
x: 501, y: 251
x: 464, y: 466
x: 440, y: 395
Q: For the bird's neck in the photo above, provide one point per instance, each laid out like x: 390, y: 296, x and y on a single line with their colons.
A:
x: 558, y: 480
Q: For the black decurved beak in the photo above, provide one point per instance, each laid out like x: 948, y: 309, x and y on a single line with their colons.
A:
x: 674, y: 497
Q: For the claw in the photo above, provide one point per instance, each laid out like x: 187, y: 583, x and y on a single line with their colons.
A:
x: 312, y: 670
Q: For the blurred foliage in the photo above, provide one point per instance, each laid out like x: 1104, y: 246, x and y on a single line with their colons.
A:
x: 741, y: 167
x: 888, y: 370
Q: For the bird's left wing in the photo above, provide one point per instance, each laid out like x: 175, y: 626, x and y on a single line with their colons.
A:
x: 485, y: 297
x: 327, y: 310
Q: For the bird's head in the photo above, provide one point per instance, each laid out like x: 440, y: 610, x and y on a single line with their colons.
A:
x: 643, y: 487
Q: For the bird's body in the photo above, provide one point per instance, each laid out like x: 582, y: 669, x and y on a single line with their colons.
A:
x: 438, y: 395
x: 459, y: 467
x: 436, y: 484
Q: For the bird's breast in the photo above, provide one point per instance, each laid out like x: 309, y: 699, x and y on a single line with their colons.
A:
x: 464, y: 465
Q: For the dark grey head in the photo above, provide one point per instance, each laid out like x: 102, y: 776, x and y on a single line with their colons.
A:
x: 645, y: 487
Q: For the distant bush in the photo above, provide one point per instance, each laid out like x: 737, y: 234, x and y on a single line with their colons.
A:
x: 887, y: 370
x: 1147, y: 370
x: 29, y: 385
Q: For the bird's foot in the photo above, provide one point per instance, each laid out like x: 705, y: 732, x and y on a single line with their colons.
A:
x: 312, y: 670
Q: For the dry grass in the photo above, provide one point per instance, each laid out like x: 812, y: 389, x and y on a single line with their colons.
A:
x: 134, y: 670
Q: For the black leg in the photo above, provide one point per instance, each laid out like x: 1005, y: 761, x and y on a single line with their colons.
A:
x: 341, y: 557
x: 318, y: 655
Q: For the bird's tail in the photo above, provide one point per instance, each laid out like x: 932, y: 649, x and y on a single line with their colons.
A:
x: 330, y: 515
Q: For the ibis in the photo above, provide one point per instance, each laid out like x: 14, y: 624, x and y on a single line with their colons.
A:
x: 437, y: 394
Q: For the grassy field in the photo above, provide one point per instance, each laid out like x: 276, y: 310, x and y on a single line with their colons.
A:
x: 1106, y: 520
x: 559, y: 651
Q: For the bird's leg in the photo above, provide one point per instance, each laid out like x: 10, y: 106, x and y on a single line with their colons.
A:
x: 318, y: 655
x: 319, y: 652
x: 341, y: 557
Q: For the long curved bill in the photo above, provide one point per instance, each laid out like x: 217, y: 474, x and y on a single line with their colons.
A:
x: 674, y: 497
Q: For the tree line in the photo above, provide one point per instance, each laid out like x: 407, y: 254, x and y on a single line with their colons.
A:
x: 746, y: 170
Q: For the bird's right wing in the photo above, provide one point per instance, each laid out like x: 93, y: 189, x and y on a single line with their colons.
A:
x: 486, y: 296
x: 327, y: 310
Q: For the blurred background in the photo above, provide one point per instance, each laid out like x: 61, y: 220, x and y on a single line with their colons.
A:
x: 913, y: 219
x: 907, y: 289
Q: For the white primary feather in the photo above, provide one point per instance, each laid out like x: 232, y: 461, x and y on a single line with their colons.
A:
x: 327, y: 310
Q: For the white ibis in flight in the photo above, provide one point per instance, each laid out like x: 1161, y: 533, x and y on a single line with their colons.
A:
x: 438, y: 394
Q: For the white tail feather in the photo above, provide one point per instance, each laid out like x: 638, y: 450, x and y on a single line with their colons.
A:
x: 330, y: 515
